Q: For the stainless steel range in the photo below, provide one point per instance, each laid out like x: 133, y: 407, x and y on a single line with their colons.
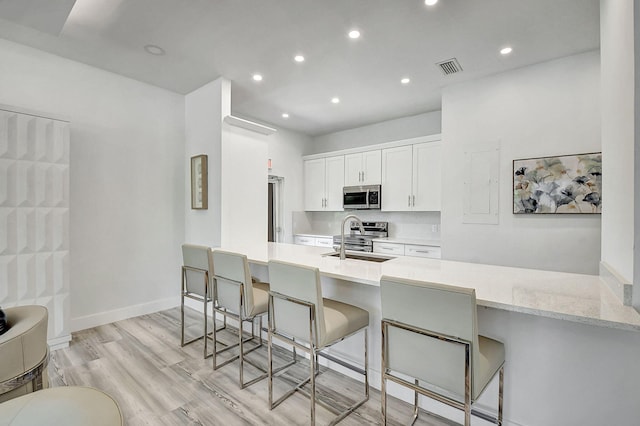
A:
x: 358, y: 242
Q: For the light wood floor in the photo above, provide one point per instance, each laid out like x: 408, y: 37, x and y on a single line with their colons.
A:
x: 140, y: 363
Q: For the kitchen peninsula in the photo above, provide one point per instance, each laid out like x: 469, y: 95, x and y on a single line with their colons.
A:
x: 564, y: 333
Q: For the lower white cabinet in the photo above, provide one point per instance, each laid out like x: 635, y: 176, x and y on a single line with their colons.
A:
x: 306, y: 240
x: 415, y: 250
x: 388, y: 248
x: 422, y: 251
x: 324, y: 241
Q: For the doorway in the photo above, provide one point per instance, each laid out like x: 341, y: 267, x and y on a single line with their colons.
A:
x: 275, y: 221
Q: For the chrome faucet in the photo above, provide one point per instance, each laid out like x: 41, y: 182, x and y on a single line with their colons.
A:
x: 357, y: 219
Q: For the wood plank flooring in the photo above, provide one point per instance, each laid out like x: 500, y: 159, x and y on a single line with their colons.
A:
x: 140, y: 363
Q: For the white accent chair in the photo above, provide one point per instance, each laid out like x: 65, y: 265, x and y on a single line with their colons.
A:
x: 62, y: 406
x: 300, y: 317
x: 430, y: 334
x: 24, y: 353
x: 243, y: 299
x: 196, y: 272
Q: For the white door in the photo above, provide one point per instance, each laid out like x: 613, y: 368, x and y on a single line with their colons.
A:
x: 396, y: 178
x: 427, y: 176
x: 314, y: 184
x: 334, y: 182
x: 372, y: 167
x: 353, y: 169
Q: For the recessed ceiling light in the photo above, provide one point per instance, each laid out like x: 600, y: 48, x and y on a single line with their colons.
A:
x: 298, y: 58
x: 506, y: 50
x: 335, y: 100
x: 154, y: 50
x: 257, y: 77
x: 405, y: 80
x: 354, y: 34
x: 285, y: 115
x: 430, y: 2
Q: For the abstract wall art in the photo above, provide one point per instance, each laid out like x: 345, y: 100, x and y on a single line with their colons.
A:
x: 562, y: 184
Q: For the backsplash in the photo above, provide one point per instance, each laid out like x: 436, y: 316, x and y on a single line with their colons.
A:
x: 414, y: 225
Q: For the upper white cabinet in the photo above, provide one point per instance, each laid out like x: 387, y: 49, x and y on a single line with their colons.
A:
x: 397, y: 178
x: 411, y: 177
x: 363, y: 168
x: 427, y: 177
x: 323, y: 182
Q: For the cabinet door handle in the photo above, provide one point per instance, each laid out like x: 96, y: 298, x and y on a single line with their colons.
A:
x: 422, y: 251
x: 414, y: 200
x: 409, y: 201
x: 386, y: 248
x: 363, y: 176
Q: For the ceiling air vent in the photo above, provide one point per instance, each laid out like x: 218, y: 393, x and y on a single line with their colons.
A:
x: 450, y: 66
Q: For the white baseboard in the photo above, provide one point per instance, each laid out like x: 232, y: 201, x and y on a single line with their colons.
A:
x: 102, y: 318
x: 59, y: 342
x: 620, y: 286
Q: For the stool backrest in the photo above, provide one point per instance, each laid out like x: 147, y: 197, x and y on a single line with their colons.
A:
x: 232, y: 269
x: 302, y: 283
x: 198, y: 257
x: 440, y: 309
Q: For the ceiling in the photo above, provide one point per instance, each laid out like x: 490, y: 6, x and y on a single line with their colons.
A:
x: 206, y: 39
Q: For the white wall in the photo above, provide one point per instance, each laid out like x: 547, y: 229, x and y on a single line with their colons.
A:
x: 126, y: 180
x: 244, y: 186
x: 286, y: 149
x: 617, y: 99
x: 636, y: 204
x: 542, y: 110
x: 204, y: 109
x: 386, y: 131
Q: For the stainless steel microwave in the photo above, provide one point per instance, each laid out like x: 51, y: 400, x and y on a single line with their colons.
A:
x: 366, y: 197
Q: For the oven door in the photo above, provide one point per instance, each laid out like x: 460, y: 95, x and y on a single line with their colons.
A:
x: 355, y: 198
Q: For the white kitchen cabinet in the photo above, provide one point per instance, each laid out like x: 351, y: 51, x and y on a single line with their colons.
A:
x: 363, y: 168
x: 310, y: 240
x: 427, y: 177
x: 323, y: 183
x: 411, y: 177
x: 388, y: 248
x: 397, y: 178
x: 401, y: 249
x: 414, y: 250
x: 304, y: 240
x: 324, y: 242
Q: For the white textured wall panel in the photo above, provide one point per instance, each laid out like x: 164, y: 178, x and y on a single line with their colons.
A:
x: 34, y: 216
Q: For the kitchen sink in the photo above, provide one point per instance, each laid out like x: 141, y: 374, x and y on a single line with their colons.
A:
x: 370, y: 257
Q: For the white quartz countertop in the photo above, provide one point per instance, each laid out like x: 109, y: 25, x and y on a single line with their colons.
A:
x: 566, y: 296
x: 400, y: 240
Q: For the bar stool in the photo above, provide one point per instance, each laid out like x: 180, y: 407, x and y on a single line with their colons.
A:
x: 197, y: 265
x: 429, y: 333
x: 243, y: 299
x: 298, y: 313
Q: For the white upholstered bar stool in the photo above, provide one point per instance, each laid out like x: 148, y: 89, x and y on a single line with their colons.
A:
x: 243, y: 299
x: 300, y: 317
x: 429, y: 333
x: 196, y: 273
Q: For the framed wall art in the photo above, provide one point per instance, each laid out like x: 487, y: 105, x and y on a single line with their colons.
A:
x: 562, y: 184
x: 199, y: 181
